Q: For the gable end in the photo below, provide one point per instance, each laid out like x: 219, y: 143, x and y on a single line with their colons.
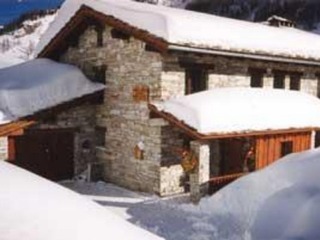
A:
x: 85, y: 17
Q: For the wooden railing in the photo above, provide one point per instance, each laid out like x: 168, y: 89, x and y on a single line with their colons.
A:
x: 216, y: 183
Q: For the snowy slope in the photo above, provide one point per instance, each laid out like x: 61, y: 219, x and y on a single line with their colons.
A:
x: 32, y: 208
x: 19, y: 45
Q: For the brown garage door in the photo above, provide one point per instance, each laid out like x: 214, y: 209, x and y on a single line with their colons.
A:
x: 48, y: 153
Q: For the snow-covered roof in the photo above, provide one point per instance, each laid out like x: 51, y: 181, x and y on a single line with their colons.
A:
x: 52, y: 212
x: 7, y: 61
x: 243, y: 110
x: 40, y: 84
x: 278, y: 18
x: 198, y: 30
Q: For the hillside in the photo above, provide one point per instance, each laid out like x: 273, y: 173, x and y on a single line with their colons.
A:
x: 13, y: 9
x: 18, y: 45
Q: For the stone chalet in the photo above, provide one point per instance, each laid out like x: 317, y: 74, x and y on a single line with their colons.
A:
x: 145, y: 54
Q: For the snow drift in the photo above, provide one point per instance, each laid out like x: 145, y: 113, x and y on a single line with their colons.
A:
x: 278, y: 202
x: 230, y: 110
x: 32, y: 208
x: 40, y: 84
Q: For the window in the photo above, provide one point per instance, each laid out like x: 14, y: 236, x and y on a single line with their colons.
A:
x: 100, y: 74
x: 119, y: 35
x: 99, y: 31
x: 279, y: 80
x: 295, y: 82
x: 286, y: 148
x: 196, y: 80
x: 256, y: 77
x: 318, y: 85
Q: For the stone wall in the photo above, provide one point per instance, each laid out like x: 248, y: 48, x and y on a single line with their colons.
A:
x: 3, y: 148
x: 125, y: 118
x: 231, y: 72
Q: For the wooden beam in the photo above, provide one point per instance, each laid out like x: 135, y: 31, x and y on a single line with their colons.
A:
x: 14, y: 127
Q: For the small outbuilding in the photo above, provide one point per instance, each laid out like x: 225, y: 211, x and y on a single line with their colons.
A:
x: 238, y: 130
x: 38, y: 108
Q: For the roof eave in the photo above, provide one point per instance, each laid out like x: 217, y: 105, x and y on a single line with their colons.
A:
x: 253, y: 56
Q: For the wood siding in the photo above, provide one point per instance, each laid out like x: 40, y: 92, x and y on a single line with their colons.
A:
x: 268, y: 148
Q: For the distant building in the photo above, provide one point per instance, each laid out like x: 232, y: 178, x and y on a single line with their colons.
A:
x: 277, y: 21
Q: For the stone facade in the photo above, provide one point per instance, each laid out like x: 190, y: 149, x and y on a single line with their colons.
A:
x: 138, y: 151
x: 3, y: 148
x: 200, y: 177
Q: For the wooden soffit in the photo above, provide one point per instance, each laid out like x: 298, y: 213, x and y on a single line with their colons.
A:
x: 14, y: 127
x: 193, y: 133
x: 87, y: 16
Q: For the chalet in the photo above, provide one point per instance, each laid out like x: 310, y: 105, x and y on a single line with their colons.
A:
x: 153, y: 61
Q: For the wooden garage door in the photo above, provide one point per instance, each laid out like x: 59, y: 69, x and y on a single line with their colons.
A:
x: 48, y: 153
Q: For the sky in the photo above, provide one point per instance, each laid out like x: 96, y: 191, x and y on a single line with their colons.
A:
x: 12, y: 9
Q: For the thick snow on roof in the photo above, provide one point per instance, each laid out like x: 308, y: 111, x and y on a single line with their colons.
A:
x: 32, y: 208
x: 40, y: 84
x: 188, y: 28
x: 237, y: 110
x: 8, y: 61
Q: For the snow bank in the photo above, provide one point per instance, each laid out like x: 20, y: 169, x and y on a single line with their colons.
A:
x: 40, y: 84
x: 194, y: 29
x: 230, y: 110
x: 32, y: 208
x: 278, y: 202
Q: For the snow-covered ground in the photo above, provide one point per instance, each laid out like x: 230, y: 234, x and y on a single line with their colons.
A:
x: 33, y: 208
x: 279, y: 202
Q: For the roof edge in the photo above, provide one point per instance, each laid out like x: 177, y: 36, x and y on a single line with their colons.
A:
x: 254, y: 56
